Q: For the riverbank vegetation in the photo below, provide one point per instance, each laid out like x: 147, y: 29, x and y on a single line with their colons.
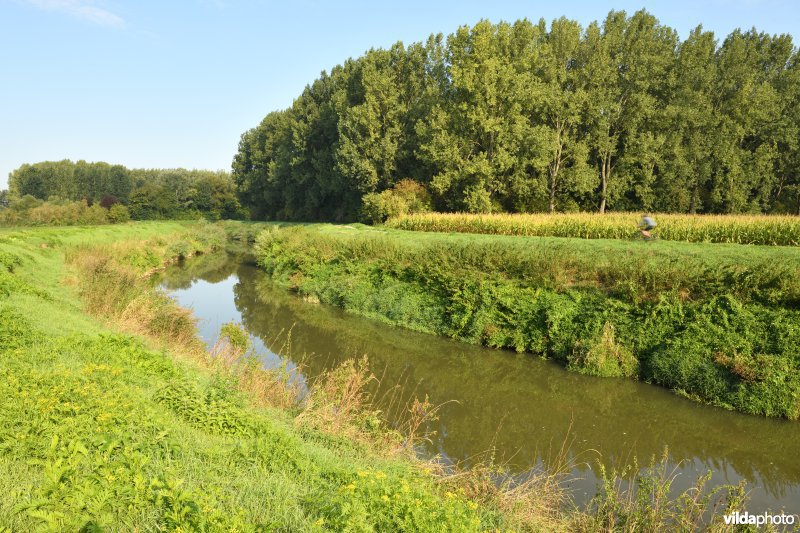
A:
x: 732, y: 229
x: 29, y: 211
x: 105, y: 430
x: 118, y: 418
x: 528, y: 117
x: 716, y: 323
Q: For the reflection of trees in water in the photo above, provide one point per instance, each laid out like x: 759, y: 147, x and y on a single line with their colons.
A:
x: 523, y: 406
x: 213, y: 268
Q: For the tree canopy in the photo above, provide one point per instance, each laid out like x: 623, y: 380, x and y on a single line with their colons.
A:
x: 527, y: 116
x: 148, y: 193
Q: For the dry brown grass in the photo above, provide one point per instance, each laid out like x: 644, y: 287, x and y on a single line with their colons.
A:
x: 118, y: 293
x: 338, y: 403
x: 275, y: 387
x: 536, y: 500
x: 123, y: 295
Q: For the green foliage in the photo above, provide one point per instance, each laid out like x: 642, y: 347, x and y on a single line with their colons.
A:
x: 10, y: 284
x: 406, y: 197
x: 603, y: 356
x: 102, y: 433
x: 717, y: 323
x: 527, y: 117
x: 9, y: 261
x: 373, y: 501
x: 212, y: 410
x: 180, y: 249
x: 24, y: 203
x: 53, y: 213
x: 236, y: 336
x: 629, y: 499
x: 124, y: 193
x: 118, y: 214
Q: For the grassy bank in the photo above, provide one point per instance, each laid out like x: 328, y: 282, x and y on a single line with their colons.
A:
x: 116, y: 419
x: 733, y: 229
x: 717, y: 323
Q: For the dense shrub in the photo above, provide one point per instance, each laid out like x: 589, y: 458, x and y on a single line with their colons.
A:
x: 55, y: 213
x: 406, y: 197
x: 148, y: 193
x: 667, y: 315
x: 118, y: 213
x: 108, y: 200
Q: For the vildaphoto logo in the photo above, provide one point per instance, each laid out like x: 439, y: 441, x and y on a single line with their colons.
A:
x: 745, y: 518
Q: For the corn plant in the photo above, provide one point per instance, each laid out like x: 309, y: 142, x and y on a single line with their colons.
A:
x: 733, y: 229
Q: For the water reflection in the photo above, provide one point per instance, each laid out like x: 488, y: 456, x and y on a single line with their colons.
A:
x: 523, y: 407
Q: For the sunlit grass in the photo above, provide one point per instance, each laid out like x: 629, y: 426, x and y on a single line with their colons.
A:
x: 734, y: 229
x: 104, y: 430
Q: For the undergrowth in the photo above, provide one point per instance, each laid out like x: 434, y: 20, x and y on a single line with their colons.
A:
x: 719, y: 323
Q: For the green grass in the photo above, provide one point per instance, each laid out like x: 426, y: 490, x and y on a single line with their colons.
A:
x: 718, y: 323
x: 100, y: 430
x: 107, y: 430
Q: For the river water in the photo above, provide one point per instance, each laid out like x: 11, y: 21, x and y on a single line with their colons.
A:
x: 523, y: 408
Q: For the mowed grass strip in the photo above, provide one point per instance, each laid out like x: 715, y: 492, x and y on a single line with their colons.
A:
x: 733, y: 229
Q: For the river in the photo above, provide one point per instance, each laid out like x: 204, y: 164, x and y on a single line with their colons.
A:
x: 523, y: 408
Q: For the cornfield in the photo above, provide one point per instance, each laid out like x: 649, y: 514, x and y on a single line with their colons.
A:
x: 735, y: 229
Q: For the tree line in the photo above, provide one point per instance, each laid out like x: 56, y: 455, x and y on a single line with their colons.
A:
x: 147, y: 193
x: 527, y: 117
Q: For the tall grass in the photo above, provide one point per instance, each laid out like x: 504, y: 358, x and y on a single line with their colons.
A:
x: 633, y: 500
x: 733, y: 229
x: 112, y: 282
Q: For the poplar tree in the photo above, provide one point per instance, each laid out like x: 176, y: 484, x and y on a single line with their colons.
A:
x: 370, y: 122
x: 559, y: 101
x: 516, y: 117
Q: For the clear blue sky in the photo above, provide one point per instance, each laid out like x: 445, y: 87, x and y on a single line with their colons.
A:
x: 175, y: 83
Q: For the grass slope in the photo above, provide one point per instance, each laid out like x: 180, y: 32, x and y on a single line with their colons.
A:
x: 716, y: 322
x: 100, y: 430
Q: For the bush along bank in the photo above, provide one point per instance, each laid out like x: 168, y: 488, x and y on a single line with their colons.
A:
x: 717, y: 323
x: 108, y: 430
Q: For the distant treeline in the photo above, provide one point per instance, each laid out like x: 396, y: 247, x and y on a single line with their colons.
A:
x: 147, y: 193
x: 524, y: 117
